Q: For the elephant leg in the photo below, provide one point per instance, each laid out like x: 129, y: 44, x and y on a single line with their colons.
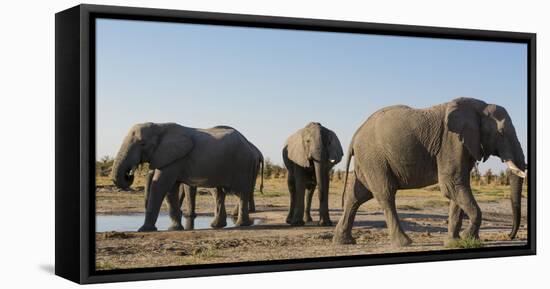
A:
x: 161, y: 183
x: 309, y: 197
x: 465, y: 200
x: 387, y: 202
x: 243, y: 218
x: 148, y: 180
x: 189, y: 194
x: 324, y: 218
x: 174, y: 201
x: 251, y: 206
x: 455, y: 220
x: 353, y: 200
x: 251, y: 203
x: 461, y: 196
x: 292, y: 195
x: 220, y: 217
x: 299, y: 196
x: 235, y: 212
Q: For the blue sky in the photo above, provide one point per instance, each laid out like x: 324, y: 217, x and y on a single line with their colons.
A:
x: 268, y: 83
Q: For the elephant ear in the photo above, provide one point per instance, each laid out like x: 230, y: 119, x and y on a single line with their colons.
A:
x: 465, y: 122
x: 335, y: 148
x: 296, y: 148
x: 173, y: 145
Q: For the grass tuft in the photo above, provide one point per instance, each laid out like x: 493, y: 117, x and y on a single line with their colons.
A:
x: 204, y: 253
x: 466, y: 243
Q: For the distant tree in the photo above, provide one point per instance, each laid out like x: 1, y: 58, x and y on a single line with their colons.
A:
x: 103, y: 166
x: 503, y: 178
x: 268, y: 169
x: 273, y: 170
x: 489, y: 176
x: 279, y: 171
x: 475, y: 176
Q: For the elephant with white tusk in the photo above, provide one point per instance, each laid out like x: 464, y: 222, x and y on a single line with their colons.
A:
x: 399, y: 147
x: 218, y: 157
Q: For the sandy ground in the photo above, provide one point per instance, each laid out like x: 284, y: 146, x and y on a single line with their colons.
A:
x: 423, y: 215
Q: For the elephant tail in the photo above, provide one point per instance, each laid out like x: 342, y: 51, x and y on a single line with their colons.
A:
x: 348, y: 160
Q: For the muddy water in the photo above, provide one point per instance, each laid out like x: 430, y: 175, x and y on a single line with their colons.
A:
x: 132, y: 222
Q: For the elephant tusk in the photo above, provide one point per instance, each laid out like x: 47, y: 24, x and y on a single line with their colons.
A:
x: 332, y: 161
x: 515, y: 170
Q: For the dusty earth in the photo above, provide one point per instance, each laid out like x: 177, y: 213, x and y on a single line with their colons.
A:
x: 423, y: 214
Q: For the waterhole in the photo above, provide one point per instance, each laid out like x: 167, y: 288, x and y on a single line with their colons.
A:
x: 132, y: 222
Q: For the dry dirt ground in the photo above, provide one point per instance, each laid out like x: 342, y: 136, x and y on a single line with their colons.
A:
x: 423, y: 214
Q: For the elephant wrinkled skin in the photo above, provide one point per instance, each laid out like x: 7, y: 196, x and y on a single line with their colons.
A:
x: 399, y: 147
x: 218, y: 157
x: 309, y: 154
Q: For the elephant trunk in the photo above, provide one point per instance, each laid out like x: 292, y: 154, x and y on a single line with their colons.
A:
x: 123, y: 165
x: 518, y: 173
x: 516, y: 184
x: 321, y: 176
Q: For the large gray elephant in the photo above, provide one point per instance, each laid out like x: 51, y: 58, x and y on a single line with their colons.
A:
x: 215, y: 157
x: 399, y: 147
x: 309, y: 154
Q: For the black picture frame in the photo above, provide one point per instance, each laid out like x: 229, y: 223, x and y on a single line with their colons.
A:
x: 75, y: 142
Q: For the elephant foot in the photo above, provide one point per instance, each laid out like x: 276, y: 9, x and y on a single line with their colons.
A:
x: 177, y: 227
x: 472, y: 232
x: 190, y: 223
x: 342, y: 239
x: 243, y: 222
x: 401, y: 240
x: 218, y: 223
x: 307, y: 218
x: 297, y: 223
x: 325, y: 222
x: 288, y: 219
x: 147, y: 228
